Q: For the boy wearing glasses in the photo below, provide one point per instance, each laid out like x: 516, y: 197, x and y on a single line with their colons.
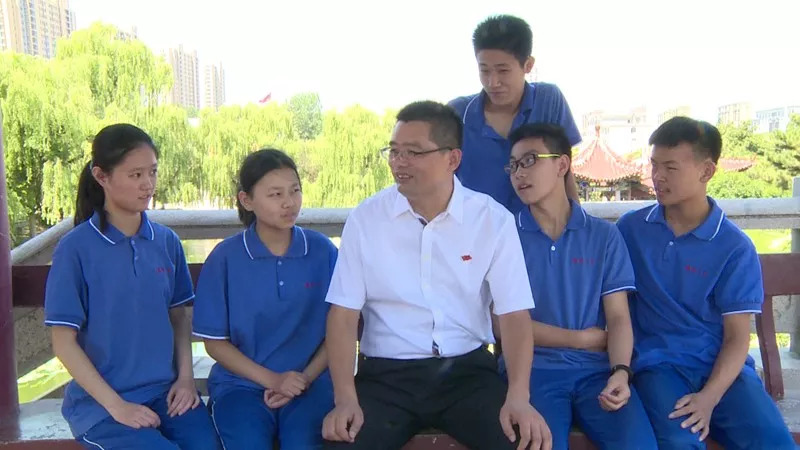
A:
x: 503, y: 46
x: 580, y: 272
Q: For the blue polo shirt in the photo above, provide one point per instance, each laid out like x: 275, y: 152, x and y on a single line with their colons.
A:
x: 686, y: 284
x: 271, y: 308
x: 569, y: 278
x: 117, y: 291
x: 485, y: 152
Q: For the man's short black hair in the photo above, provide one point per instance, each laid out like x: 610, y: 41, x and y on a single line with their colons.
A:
x: 446, y: 127
x: 504, y: 32
x: 702, y: 136
x: 553, y: 136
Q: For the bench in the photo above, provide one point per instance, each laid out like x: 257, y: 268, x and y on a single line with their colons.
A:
x: 781, y: 273
x: 780, y: 278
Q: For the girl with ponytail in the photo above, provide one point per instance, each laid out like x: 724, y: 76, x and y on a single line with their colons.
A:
x: 114, y: 300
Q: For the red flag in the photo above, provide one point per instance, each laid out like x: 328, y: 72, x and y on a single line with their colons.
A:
x: 266, y: 99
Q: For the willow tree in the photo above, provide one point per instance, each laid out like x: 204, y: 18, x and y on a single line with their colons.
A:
x: 46, y: 121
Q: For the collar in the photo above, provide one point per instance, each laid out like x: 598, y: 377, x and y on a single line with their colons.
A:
x: 707, y: 230
x: 473, y: 113
x: 577, y: 218
x: 114, y: 236
x: 455, y: 208
x: 298, y: 246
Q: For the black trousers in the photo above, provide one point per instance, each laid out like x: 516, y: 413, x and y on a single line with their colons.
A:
x: 460, y: 396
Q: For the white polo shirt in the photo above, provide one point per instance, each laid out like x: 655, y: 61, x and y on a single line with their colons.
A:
x: 424, y: 289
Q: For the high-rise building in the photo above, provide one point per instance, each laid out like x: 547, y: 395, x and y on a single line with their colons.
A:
x: 735, y: 113
x: 33, y: 26
x: 186, y: 76
x: 769, y: 120
x: 683, y: 110
x: 128, y: 35
x: 213, y: 86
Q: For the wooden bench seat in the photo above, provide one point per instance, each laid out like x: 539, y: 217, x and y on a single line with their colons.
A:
x: 42, y: 427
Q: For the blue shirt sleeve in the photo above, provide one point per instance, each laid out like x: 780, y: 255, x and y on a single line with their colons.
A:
x: 66, y: 293
x: 550, y: 106
x: 622, y: 226
x: 184, y: 290
x: 563, y: 116
x: 458, y: 104
x: 334, y: 254
x: 210, y: 318
x: 740, y: 287
x: 617, y: 268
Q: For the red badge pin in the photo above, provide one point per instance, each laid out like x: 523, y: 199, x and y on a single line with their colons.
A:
x: 466, y: 257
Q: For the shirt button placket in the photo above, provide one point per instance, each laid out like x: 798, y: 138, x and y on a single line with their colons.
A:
x: 278, y: 266
x: 669, y: 250
x: 425, y: 275
x: 135, y: 256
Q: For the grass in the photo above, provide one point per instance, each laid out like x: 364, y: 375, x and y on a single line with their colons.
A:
x: 42, y: 381
x: 771, y: 241
x: 51, y: 375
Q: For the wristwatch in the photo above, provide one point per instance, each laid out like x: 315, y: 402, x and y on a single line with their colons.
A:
x: 625, y: 368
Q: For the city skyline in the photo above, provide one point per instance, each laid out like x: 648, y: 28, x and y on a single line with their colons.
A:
x: 660, y: 58
x: 185, y: 65
x: 33, y: 26
x: 213, y: 86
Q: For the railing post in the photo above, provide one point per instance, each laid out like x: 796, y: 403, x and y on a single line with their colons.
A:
x: 794, y: 347
x: 9, y: 401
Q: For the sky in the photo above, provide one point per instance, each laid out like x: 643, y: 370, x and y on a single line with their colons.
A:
x: 612, y: 55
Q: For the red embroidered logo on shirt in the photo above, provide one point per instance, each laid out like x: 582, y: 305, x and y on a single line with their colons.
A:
x: 695, y: 270
x: 312, y: 284
x: 163, y: 269
x: 589, y: 261
x: 466, y: 257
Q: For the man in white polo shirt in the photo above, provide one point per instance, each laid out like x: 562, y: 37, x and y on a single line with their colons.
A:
x: 426, y: 262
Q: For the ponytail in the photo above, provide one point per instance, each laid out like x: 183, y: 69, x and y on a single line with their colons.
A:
x: 91, y: 198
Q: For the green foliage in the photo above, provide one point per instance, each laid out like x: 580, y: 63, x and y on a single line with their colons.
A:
x: 348, y: 166
x: 306, y: 112
x: 52, y: 109
x: 123, y: 72
x: 179, y: 165
x: 785, y: 154
x: 728, y: 184
x: 777, y: 160
x: 46, y: 120
x: 228, y: 135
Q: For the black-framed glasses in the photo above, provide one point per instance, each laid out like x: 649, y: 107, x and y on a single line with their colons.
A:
x: 391, y: 154
x: 526, y: 161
